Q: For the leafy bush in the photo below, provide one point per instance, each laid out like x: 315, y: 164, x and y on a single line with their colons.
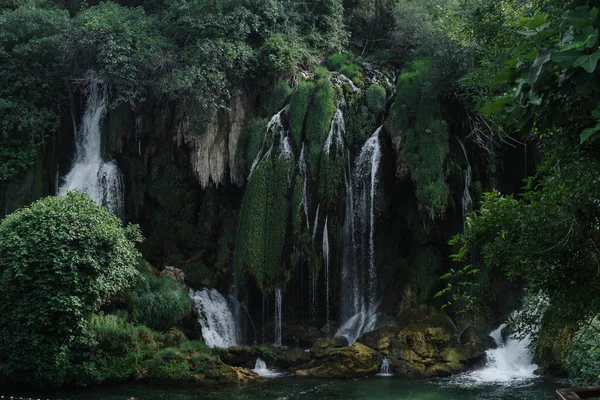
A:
x: 376, y: 98
x: 169, y: 364
x: 277, y: 98
x: 583, y: 361
x: 70, y: 255
x: 335, y: 62
x: 318, y: 120
x: 159, y: 303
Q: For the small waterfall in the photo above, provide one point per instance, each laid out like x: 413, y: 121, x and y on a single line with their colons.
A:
x: 217, y: 319
x: 312, y: 312
x: 386, y: 368
x: 359, y: 277
x: 337, y: 132
x: 303, y: 169
x: 510, y: 361
x: 102, y: 181
x: 326, y: 266
x: 274, y: 126
x: 260, y: 368
x: 278, y: 317
x: 466, y: 198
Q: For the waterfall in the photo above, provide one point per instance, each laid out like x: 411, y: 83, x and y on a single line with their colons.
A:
x: 102, y: 181
x: 466, y: 198
x: 386, y: 368
x: 359, y: 277
x: 278, y: 317
x: 217, y: 318
x: 260, y: 368
x: 337, y: 132
x: 303, y: 169
x: 274, y: 126
x: 312, y: 312
x: 326, y: 266
x: 509, y: 362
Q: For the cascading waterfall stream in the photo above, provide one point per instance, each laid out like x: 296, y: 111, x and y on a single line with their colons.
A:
x: 261, y: 369
x: 278, y: 317
x: 386, y: 368
x: 467, y: 200
x: 359, y: 277
x: 102, y: 181
x: 326, y: 265
x: 511, y: 361
x: 217, y: 318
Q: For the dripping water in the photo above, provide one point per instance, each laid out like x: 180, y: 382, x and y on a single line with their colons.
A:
x: 326, y: 265
x: 278, y: 317
x: 466, y: 197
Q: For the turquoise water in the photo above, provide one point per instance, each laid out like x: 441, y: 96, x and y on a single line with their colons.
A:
x: 293, y: 388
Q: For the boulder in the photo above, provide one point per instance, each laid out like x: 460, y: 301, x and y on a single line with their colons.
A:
x: 353, y: 361
x: 474, y: 343
x: 176, y: 275
x: 300, y: 335
x: 239, y: 357
x: 380, y: 339
x: 246, y: 376
x: 285, y: 357
x: 323, y: 345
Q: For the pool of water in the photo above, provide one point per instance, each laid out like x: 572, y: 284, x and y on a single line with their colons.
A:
x: 295, y: 388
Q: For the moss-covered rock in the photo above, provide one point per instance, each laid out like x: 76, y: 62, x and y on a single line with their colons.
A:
x: 353, y: 361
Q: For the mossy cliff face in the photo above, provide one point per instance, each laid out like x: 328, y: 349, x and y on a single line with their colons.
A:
x: 222, y: 193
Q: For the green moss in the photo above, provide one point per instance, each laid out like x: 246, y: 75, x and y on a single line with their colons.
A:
x: 170, y: 365
x: 426, y: 266
x: 318, y: 121
x: 344, y: 63
x: 376, y: 97
x: 298, y: 108
x: 416, y: 116
x: 277, y: 98
x: 263, y: 223
x: 321, y: 72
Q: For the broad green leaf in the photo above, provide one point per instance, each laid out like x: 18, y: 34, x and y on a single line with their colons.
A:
x: 505, y: 75
x: 542, y: 57
x: 588, y: 62
x: 536, y: 21
x: 589, y: 132
x: 596, y: 113
x: 446, y: 276
x: 565, y: 59
x: 497, y: 105
x: 592, y: 39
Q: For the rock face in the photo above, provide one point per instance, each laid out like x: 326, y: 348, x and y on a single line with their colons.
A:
x: 353, y: 361
x: 282, y: 357
x: 176, y: 274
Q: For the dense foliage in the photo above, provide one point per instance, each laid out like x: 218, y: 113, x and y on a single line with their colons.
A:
x: 60, y: 260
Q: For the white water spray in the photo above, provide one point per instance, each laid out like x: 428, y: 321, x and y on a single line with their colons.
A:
x: 510, y: 361
x: 217, y: 318
x: 386, y: 368
x: 359, y: 277
x: 102, y: 181
x: 260, y: 368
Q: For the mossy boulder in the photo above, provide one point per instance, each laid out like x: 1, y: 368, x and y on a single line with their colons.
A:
x: 474, y: 343
x: 284, y: 357
x: 300, y: 335
x: 353, y: 361
x: 322, y: 346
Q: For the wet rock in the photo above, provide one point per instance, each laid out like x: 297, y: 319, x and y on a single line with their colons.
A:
x: 474, y: 343
x: 380, y: 339
x: 239, y: 356
x: 353, y: 361
x: 246, y: 376
x: 289, y: 358
x: 300, y: 335
x: 323, y: 345
x: 176, y: 275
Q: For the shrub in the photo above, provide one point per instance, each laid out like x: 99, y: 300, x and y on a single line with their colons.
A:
x: 376, y: 98
x: 159, y: 303
x: 583, y: 360
x: 169, y: 364
x: 318, y: 120
x: 277, y: 98
x: 70, y: 255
